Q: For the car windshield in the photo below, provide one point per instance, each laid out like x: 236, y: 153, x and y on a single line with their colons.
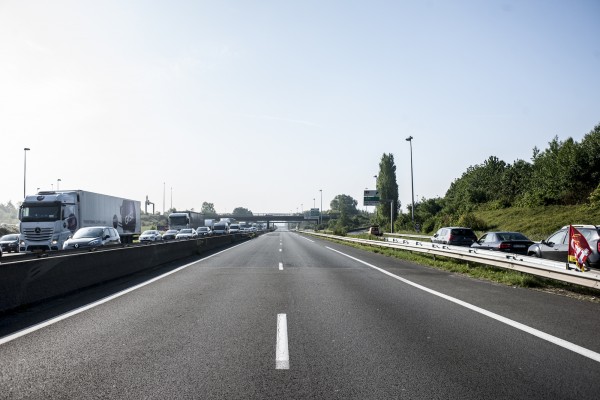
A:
x: 186, y: 231
x: 203, y: 229
x: 9, y: 237
x: 511, y: 236
x: 589, y: 234
x: 88, y: 233
x: 149, y: 233
x: 462, y: 232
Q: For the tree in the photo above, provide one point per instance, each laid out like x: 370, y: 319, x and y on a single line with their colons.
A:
x: 387, y: 188
x: 208, y: 209
x: 344, y: 204
x: 242, y: 212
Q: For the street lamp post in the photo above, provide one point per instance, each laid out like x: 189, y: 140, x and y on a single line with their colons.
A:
x: 57, y: 181
x: 321, y: 209
x: 412, y: 183
x: 26, y: 149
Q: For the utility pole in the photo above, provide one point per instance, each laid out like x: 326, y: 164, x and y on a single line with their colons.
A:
x: 412, y: 209
x: 321, y: 210
x: 26, y: 149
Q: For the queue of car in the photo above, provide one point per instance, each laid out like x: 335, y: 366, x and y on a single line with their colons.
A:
x: 555, y: 247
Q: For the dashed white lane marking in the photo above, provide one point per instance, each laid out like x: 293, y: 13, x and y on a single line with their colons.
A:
x: 79, y: 310
x: 280, y: 250
x: 282, y: 355
x: 542, y: 335
x: 281, y: 266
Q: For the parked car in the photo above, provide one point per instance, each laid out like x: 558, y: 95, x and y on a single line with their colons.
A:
x: 374, y: 230
x: 10, y: 243
x: 203, y: 231
x: 455, y: 236
x: 556, y: 246
x: 150, y: 236
x: 170, y: 234
x: 186, y: 233
x: 510, y: 242
x: 93, y: 236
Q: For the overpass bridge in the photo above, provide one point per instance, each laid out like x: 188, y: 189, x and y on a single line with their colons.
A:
x: 272, y: 218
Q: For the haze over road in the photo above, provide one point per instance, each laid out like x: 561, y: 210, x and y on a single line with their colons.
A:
x: 289, y: 316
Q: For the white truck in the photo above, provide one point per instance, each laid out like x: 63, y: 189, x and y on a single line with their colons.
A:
x: 50, y: 217
x: 185, y: 219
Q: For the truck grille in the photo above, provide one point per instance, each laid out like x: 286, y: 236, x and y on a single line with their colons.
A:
x: 38, y: 234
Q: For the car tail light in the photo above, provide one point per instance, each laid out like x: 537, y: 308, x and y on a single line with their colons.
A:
x: 505, y: 246
x: 450, y: 238
x: 598, y: 246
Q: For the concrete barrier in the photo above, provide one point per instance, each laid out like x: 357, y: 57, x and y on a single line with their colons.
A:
x: 31, y: 281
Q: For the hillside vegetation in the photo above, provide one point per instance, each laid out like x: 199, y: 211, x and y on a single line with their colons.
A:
x: 560, y: 186
x: 538, y: 222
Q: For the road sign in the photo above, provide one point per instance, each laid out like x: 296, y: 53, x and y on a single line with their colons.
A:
x: 371, y: 198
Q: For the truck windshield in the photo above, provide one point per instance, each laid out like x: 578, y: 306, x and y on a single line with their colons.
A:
x: 49, y: 212
x: 178, y: 220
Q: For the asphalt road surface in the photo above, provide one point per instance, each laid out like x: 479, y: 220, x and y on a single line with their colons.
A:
x: 287, y: 316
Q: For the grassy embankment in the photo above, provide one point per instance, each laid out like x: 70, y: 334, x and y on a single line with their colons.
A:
x: 535, y: 223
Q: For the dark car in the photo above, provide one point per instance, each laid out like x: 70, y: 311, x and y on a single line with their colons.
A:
x: 556, y: 246
x: 170, y: 234
x: 455, y: 236
x: 10, y: 243
x: 510, y: 242
x: 374, y: 230
x: 93, y: 237
x: 203, y: 231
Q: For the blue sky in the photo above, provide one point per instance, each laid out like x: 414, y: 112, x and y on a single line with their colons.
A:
x: 260, y: 104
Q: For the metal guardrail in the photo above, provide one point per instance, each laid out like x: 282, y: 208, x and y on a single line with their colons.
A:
x: 530, y: 265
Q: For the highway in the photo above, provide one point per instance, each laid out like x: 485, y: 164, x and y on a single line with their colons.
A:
x: 286, y: 316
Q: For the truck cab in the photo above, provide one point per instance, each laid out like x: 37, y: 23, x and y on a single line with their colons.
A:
x: 47, y: 221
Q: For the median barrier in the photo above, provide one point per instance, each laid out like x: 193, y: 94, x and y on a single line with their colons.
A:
x: 31, y: 281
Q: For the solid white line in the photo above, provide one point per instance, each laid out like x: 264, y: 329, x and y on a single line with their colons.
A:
x: 305, y: 238
x: 281, y: 266
x: 79, y: 310
x: 282, y: 355
x: 542, y: 335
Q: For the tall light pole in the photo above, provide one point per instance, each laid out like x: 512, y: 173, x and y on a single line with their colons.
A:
x: 321, y: 210
x: 163, y: 198
x: 171, y: 197
x: 412, y: 183
x: 26, y: 149
x: 57, y: 181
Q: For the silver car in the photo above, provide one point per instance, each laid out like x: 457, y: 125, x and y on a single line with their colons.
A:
x: 187, y: 233
x: 93, y: 237
x: 150, y: 236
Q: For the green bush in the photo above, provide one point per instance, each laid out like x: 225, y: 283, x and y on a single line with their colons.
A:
x: 469, y: 220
